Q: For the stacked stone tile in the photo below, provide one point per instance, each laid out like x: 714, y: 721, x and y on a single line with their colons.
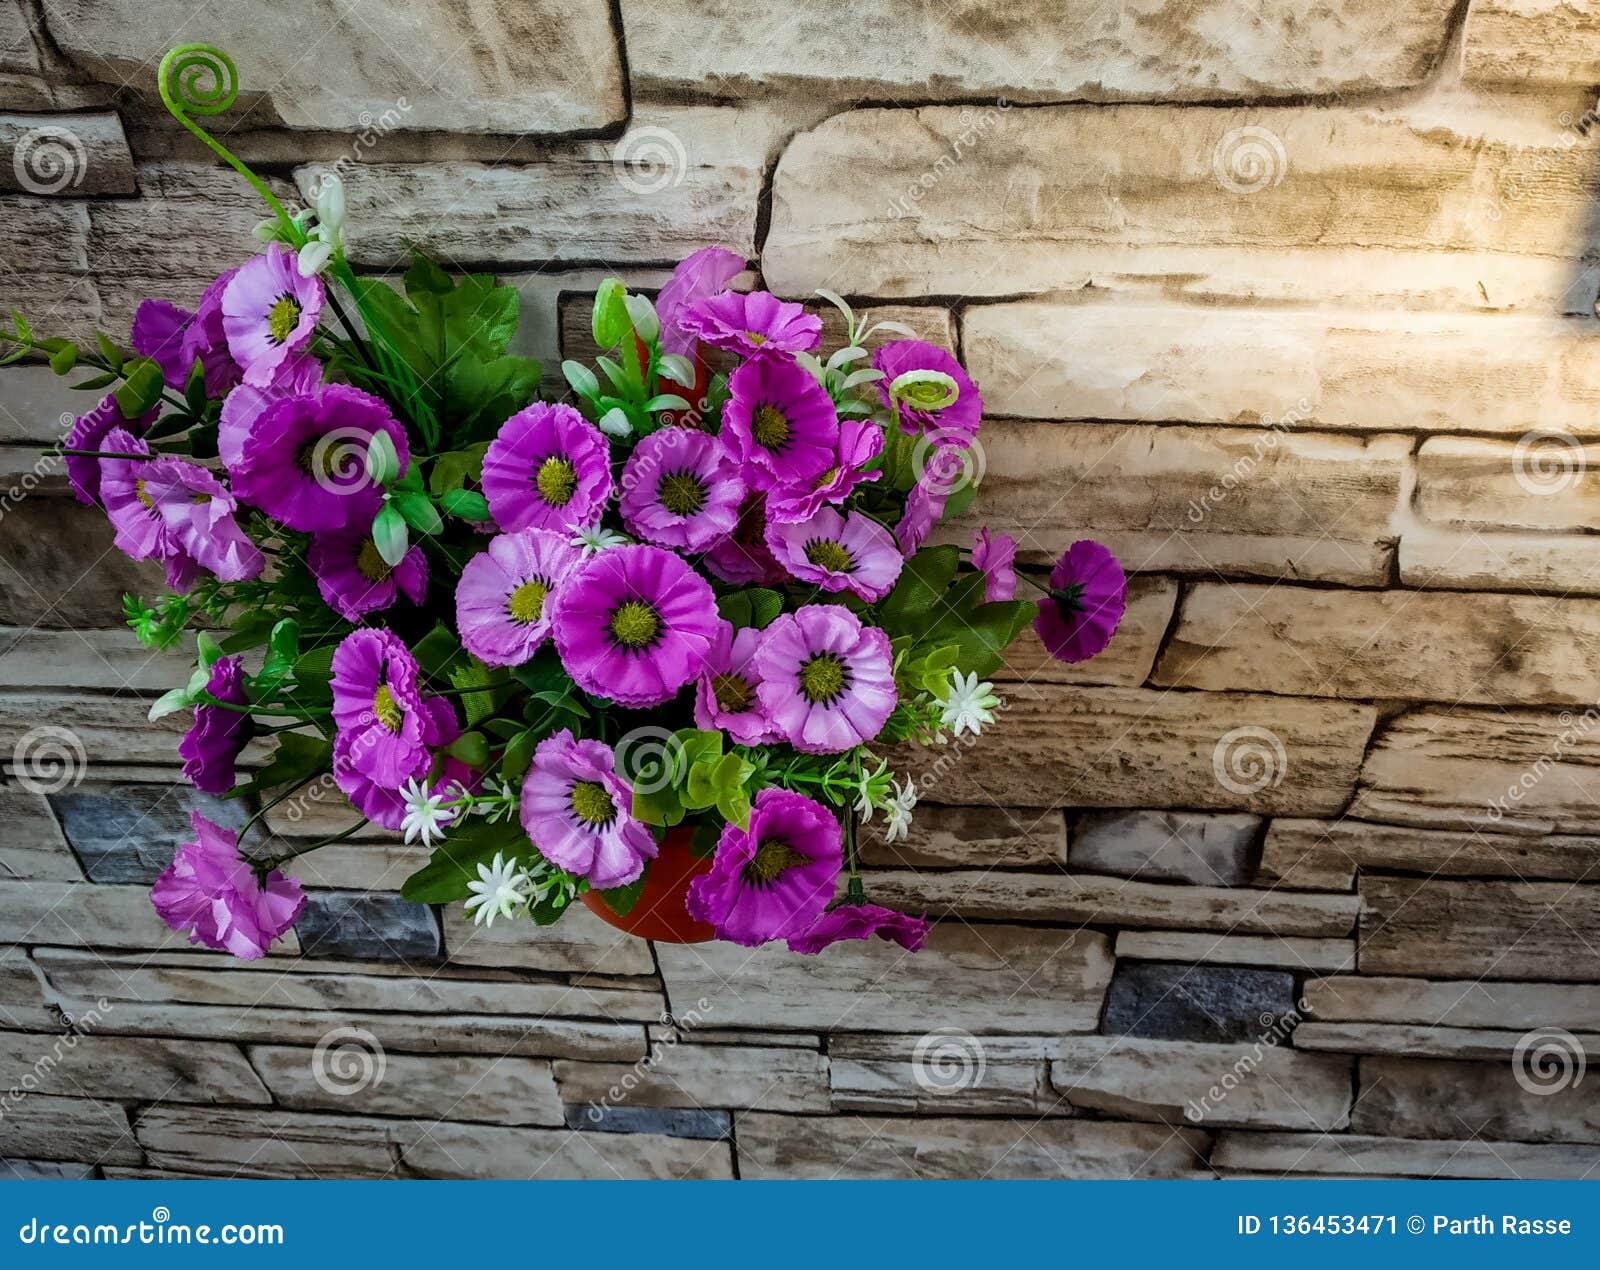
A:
x: 1296, y: 315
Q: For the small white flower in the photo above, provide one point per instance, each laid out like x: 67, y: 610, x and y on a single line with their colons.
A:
x: 426, y: 815
x: 615, y: 423
x: 969, y: 705
x: 898, y: 811
x: 500, y: 891
x: 330, y: 209
x: 593, y: 538
x: 314, y: 257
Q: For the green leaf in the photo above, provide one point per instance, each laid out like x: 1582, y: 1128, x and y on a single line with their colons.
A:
x: 419, y: 512
x: 581, y: 378
x: 24, y: 331
x: 168, y: 703
x: 518, y: 756
x: 921, y: 588
x: 464, y: 504
x: 753, y: 606
x: 389, y: 535
x: 423, y: 277
x: 109, y: 352
x: 207, y: 650
x: 194, y: 388
x: 472, y: 748
x: 444, y: 879
x: 141, y: 388
x: 984, y: 634
x: 473, y: 674
x: 299, y: 757
x: 609, y: 321
x: 436, y: 650
x: 454, y: 469
x: 667, y: 401
x: 383, y: 460
x: 96, y: 383
x: 64, y: 359
x: 621, y: 899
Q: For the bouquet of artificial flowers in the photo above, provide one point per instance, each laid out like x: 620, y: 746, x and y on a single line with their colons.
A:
x: 649, y: 648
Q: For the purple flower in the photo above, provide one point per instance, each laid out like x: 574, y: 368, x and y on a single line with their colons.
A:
x: 376, y: 702
x: 837, y: 551
x: 780, y: 422
x: 698, y: 277
x: 128, y: 490
x: 772, y: 880
x: 355, y: 579
x: 725, y: 696
x: 268, y: 312
x: 198, y: 511
x: 957, y: 424
x: 158, y: 331
x: 207, y: 339
x: 1087, y: 592
x: 505, y: 597
x: 860, y: 921
x: 299, y: 375
x: 943, y: 473
x: 304, y: 459
x: 385, y: 805
x: 212, y: 894
x: 211, y: 746
x: 860, y: 442
x: 827, y: 681
x: 88, y: 432
x: 752, y: 324
x: 995, y: 556
x: 745, y: 559
x: 681, y: 489
x: 579, y: 812
x: 549, y: 468
x: 635, y: 625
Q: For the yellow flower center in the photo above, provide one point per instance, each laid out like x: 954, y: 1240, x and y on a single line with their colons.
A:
x: 771, y: 860
x: 829, y: 555
x: 283, y: 317
x: 682, y: 494
x: 826, y: 479
x: 387, y: 709
x: 770, y: 427
x: 143, y: 495
x: 635, y: 624
x: 592, y: 804
x: 756, y: 338
x: 372, y: 566
x: 527, y: 601
x: 557, y: 480
x: 732, y: 692
x: 822, y: 678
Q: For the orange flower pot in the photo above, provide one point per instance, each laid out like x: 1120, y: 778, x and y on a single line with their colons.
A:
x: 659, y: 913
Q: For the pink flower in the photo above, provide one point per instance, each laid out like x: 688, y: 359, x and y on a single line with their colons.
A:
x: 1087, y: 592
x: 995, y: 556
x: 861, y: 921
x: 725, y: 696
x: 578, y: 811
x: 772, y: 880
x: 354, y: 579
x: 837, y: 552
x: 268, y: 313
x: 549, y: 468
x: 212, y: 894
x: 752, y: 324
x: 697, y: 277
x: 827, y: 681
x: 376, y: 703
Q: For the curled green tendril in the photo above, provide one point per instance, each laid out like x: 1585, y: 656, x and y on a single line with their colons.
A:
x: 201, y: 79
x: 925, y: 389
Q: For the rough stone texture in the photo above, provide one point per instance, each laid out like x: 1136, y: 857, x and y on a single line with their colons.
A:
x: 579, y: 942
x: 1418, y: 1041
x: 1497, y: 649
x: 33, y: 658
x: 1493, y: 930
x: 1055, y: 981
x: 706, y: 1076
x: 88, y: 1130
x: 1474, y: 1004
x: 1544, y: 481
x: 33, y: 846
x: 1481, y: 374
x: 1324, y: 855
x: 1522, y: 770
x: 364, y: 926
x: 1032, y: 52
x: 859, y: 1147
x: 65, y: 156
x: 1195, y: 500
x: 127, y: 833
x: 1170, y: 1001
x: 1155, y: 192
x: 1194, y: 947
x: 986, y: 837
x: 1433, y: 1099
x: 130, y: 1068
x: 943, y: 1072
x: 1130, y: 747
x: 1356, y: 1155
x: 525, y: 68
x: 57, y: 569
x: 1169, y: 846
x: 1501, y: 562
x: 1530, y: 43
x: 1210, y: 1086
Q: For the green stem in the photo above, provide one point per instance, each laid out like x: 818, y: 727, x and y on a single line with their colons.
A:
x: 283, y: 857
x: 268, y: 806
